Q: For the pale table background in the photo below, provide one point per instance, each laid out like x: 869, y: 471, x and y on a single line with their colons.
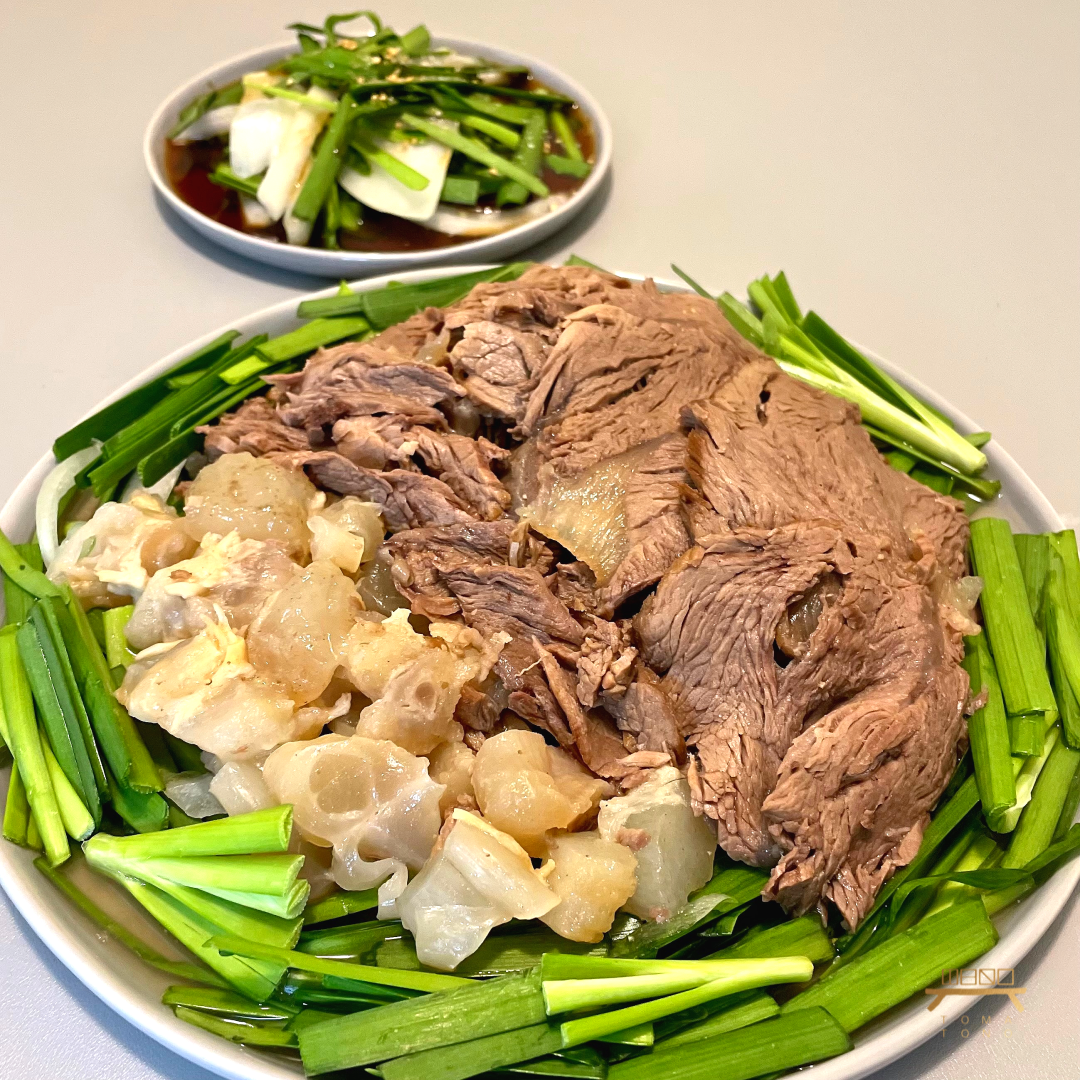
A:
x: 912, y: 167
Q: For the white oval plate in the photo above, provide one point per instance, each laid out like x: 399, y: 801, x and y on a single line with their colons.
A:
x: 134, y: 989
x: 344, y: 264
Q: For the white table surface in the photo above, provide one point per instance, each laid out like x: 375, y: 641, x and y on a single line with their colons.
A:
x: 913, y: 167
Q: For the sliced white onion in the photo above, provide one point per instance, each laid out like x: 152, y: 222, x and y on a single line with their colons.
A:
x: 211, y: 124
x: 291, y: 155
x: 57, y: 484
x: 162, y: 489
x: 240, y: 788
x: 455, y: 221
x: 383, y: 192
x: 297, y: 231
x: 191, y: 792
x: 255, y: 215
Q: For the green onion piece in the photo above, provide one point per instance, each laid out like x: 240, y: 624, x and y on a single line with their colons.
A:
x: 492, y: 128
x: 742, y: 318
x: 1014, y: 640
x: 363, y: 142
x: 177, y: 968
x: 988, y: 730
x: 471, y: 148
x: 1062, y: 611
x: 256, y: 979
x: 350, y: 212
x: 560, y: 124
x: 1039, y: 820
x: 116, y: 647
x: 638, y: 1035
x: 293, y: 95
x: 340, y: 905
x: 24, y: 741
x: 332, y: 217
x: 289, y: 906
x: 243, y: 369
x: 587, y: 1028
x: 223, y: 176
x: 144, y: 811
x: 108, y: 421
x: 426, y: 982
x: 17, y: 601
x: 474, y: 1011
x: 314, y: 335
x: 900, y: 966
x: 565, y: 166
x: 804, y: 936
x: 1025, y: 735
x: 273, y: 874
x: 527, y: 157
x: 1033, y: 551
x: 218, y: 1000
x: 982, y: 488
x: 237, y: 1031
x: 22, y: 572
x: 62, y: 728
x: 462, y: 1060
x: 114, y: 730
x: 1068, y: 808
x: 771, y: 1047
x: 190, y: 113
x: 322, y: 177
x: 16, y: 808
x: 1027, y: 772
x: 417, y: 41
x: 715, y: 1018
x: 389, y: 306
x: 349, y: 942
x: 512, y: 114
x: 982, y: 849
x: 463, y: 190
x: 76, y: 818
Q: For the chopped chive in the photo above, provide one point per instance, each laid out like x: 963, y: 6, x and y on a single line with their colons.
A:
x: 76, y: 818
x: 322, y: 177
x: 374, y: 154
x: 714, y: 1018
x: 527, y: 157
x: 16, y: 808
x: 988, y: 730
x: 238, y: 1031
x: 24, y: 741
x: 1033, y: 551
x: 492, y: 128
x: 293, y: 95
x: 749, y: 975
x: 804, y: 936
x: 462, y: 1060
x: 565, y: 166
x: 900, y: 966
x: 108, y: 421
x: 22, y: 572
x: 223, y: 176
x: 512, y: 114
x: 340, y: 905
x: 474, y: 1011
x: 1035, y: 832
x: 771, y: 1047
x: 1027, y: 772
x: 463, y: 190
x: 560, y: 124
x: 1014, y: 640
x: 471, y: 148
x: 312, y: 336
x: 144, y: 952
x: 116, y: 647
x: 1062, y: 610
x: 213, y: 999
x: 348, y: 942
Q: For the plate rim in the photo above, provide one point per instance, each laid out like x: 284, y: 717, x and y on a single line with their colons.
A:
x: 316, y: 260
x: 890, y: 1037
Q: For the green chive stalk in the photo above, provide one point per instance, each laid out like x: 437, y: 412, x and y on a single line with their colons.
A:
x: 528, y: 157
x: 462, y: 1060
x: 22, y: 572
x: 340, y: 905
x: 1039, y: 820
x: 1062, y: 631
x: 24, y: 741
x: 16, y: 809
x: 324, y: 170
x: 771, y: 1047
x: 426, y: 982
x: 224, y: 1002
x: 1018, y: 651
x: 988, y: 730
x: 560, y: 125
x: 117, y: 652
x: 238, y: 1031
x: 476, y: 150
x: 804, y: 936
x: 900, y: 966
x: 738, y: 1011
x: 1033, y: 551
x: 77, y: 820
x: 473, y: 1011
x: 1027, y: 773
x: 177, y: 968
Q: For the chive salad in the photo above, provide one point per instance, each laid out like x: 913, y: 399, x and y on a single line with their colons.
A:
x: 726, y: 986
x: 378, y: 142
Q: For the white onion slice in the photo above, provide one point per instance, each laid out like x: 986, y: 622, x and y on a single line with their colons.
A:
x: 291, y: 154
x: 162, y: 489
x: 210, y: 124
x: 464, y: 222
x: 57, y: 484
x: 191, y: 792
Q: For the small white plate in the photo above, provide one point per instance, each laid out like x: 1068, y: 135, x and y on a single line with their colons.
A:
x: 134, y: 990
x: 345, y: 264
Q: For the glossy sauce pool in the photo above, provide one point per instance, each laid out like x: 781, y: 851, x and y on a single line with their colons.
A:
x: 188, y: 167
